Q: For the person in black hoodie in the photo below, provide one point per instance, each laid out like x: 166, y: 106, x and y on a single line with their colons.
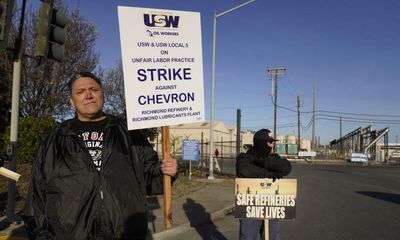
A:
x: 259, y: 162
x: 91, y: 175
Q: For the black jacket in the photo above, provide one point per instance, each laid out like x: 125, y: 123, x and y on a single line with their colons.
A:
x: 251, y: 165
x: 67, y: 193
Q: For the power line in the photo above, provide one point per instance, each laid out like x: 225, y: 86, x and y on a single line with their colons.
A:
x: 278, y: 106
x: 336, y: 112
x: 360, y: 121
x: 360, y: 114
x: 280, y: 126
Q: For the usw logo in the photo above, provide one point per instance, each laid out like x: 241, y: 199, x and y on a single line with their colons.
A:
x: 155, y: 20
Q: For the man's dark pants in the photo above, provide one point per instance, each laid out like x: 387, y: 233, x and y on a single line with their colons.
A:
x: 250, y: 229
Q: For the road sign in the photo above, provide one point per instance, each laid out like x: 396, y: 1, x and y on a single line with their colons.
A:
x: 359, y: 157
x: 190, y: 150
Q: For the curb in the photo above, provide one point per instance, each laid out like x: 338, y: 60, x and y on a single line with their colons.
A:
x: 187, y: 226
x: 160, y: 235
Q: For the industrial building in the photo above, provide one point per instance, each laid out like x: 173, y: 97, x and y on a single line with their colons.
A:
x: 224, y: 138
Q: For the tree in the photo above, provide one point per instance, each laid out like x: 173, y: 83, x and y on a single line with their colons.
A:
x: 113, y: 85
x: 5, y: 92
x: 44, y: 91
x: 6, y: 74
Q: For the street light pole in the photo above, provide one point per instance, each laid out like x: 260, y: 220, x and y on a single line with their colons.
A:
x: 211, y: 170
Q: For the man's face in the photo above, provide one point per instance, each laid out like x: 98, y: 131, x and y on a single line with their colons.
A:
x: 87, y: 98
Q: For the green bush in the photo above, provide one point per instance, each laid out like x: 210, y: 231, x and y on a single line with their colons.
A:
x: 31, y: 131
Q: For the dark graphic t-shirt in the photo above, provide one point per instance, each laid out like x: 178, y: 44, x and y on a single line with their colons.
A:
x: 92, y: 134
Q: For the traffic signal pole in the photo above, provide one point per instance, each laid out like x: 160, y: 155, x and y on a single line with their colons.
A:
x: 11, y: 217
x: 49, y: 44
x: 6, y: 11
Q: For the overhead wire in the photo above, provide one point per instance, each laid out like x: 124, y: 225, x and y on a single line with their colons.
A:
x: 318, y: 112
x: 328, y: 115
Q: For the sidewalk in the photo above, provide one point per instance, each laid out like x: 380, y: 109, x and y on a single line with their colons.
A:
x: 213, y: 201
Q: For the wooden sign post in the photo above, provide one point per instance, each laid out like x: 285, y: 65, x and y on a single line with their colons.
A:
x: 166, y: 180
x: 266, y: 229
x: 163, y: 73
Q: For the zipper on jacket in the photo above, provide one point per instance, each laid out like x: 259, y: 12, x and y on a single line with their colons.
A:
x: 100, y: 181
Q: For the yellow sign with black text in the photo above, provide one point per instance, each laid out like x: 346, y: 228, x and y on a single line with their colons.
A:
x: 263, y: 198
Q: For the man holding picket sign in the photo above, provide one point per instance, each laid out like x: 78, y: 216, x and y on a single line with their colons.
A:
x: 258, y: 162
x: 91, y: 175
x: 163, y: 73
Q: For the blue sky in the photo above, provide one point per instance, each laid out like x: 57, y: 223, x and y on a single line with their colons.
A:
x: 350, y: 48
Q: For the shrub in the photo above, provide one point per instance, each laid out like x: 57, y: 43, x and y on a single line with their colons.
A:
x: 31, y: 131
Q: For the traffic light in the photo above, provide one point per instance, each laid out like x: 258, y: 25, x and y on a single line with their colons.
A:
x: 6, y: 9
x: 51, y: 34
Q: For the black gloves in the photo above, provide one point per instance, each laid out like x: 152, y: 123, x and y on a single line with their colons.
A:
x: 276, y: 176
x: 281, y: 166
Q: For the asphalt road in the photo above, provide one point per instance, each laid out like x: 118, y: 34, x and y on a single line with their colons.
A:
x: 333, y: 202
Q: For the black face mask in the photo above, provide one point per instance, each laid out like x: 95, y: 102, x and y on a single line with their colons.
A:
x: 261, y: 147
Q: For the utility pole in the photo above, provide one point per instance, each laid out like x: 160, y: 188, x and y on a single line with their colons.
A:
x: 341, y: 140
x: 298, y: 124
x: 313, y: 144
x: 274, y: 72
x: 238, y: 119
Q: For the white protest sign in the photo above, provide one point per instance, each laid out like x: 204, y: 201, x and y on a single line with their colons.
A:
x: 163, y: 66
